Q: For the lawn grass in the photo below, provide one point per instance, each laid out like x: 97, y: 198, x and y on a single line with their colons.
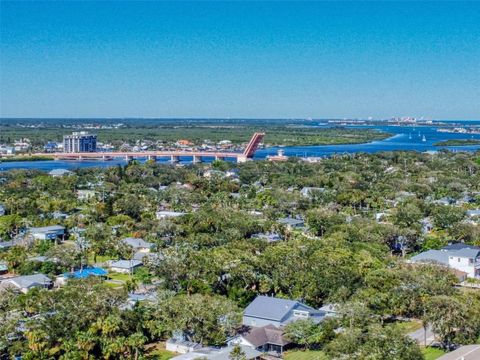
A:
x: 119, y: 276
x: 157, y: 351
x: 304, y: 355
x: 160, y: 355
x: 408, y: 326
x: 431, y: 353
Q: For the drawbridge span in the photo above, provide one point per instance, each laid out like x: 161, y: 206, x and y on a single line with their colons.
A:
x: 173, y: 156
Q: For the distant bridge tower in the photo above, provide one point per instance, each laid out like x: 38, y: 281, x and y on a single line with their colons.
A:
x: 252, y: 146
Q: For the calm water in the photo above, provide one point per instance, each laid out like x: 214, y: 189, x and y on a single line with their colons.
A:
x: 404, y: 138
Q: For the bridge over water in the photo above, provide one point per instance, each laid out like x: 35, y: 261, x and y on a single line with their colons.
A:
x: 174, y: 156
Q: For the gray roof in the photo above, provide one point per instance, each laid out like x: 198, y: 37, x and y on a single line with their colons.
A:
x: 59, y: 172
x: 276, y: 309
x: 465, y: 253
x: 441, y: 256
x: 290, y: 221
x: 28, y: 281
x: 46, y: 229
x: 125, y: 264
x: 272, y: 308
x: 137, y: 243
x: 437, y: 256
x: 473, y: 213
x: 458, y: 246
x: 218, y: 354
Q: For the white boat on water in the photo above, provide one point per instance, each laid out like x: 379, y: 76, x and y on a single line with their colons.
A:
x: 424, y: 138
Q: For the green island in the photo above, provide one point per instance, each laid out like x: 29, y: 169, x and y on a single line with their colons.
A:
x: 458, y: 142
x: 167, y: 133
x: 26, y: 158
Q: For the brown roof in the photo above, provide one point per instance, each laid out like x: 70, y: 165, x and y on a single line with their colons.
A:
x: 259, y: 336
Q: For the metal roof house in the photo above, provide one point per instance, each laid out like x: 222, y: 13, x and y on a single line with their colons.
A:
x: 27, y: 282
x: 462, y: 257
x: 59, y: 172
x: 266, y: 339
x: 291, y: 223
x: 218, y: 354
x: 265, y: 310
x: 168, y: 214
x: 125, y: 266
x: 47, y: 232
x: 138, y: 244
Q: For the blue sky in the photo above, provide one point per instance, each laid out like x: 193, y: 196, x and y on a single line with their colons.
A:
x: 320, y: 60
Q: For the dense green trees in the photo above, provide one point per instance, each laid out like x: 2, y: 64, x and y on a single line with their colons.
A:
x: 209, y: 267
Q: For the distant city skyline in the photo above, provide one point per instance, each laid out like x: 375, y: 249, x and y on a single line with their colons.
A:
x: 240, y: 60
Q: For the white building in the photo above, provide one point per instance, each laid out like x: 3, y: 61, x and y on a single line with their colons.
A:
x: 168, y: 214
x: 461, y: 257
x: 47, y: 232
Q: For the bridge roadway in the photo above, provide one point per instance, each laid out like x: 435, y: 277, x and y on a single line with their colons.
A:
x: 151, y: 155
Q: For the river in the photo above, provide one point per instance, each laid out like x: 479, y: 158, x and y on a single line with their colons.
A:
x: 404, y: 138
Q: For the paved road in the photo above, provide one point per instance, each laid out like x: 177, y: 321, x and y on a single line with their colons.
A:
x: 419, y: 336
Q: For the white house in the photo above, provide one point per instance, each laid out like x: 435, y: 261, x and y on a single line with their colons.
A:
x: 85, y: 194
x: 461, y: 257
x: 60, y: 172
x: 168, y: 214
x: 47, y: 232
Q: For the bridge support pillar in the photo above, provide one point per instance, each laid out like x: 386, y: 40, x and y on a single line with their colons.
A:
x: 128, y: 158
x: 197, y: 159
x: 152, y: 157
x: 173, y: 159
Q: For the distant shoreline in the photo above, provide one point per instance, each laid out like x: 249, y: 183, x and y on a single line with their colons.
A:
x: 458, y: 142
x: 26, y: 158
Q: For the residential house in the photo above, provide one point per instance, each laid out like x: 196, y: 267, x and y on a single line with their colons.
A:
x: 266, y: 339
x: 58, y: 215
x: 84, y: 195
x: 168, y: 214
x: 125, y: 266
x: 461, y: 257
x: 181, y: 346
x: 60, y: 172
x: 308, y: 191
x: 26, y: 282
x: 138, y: 245
x: 265, y: 310
x: 47, y: 232
x: 291, y: 223
x: 473, y: 215
x: 208, y: 353
x: 268, y: 237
